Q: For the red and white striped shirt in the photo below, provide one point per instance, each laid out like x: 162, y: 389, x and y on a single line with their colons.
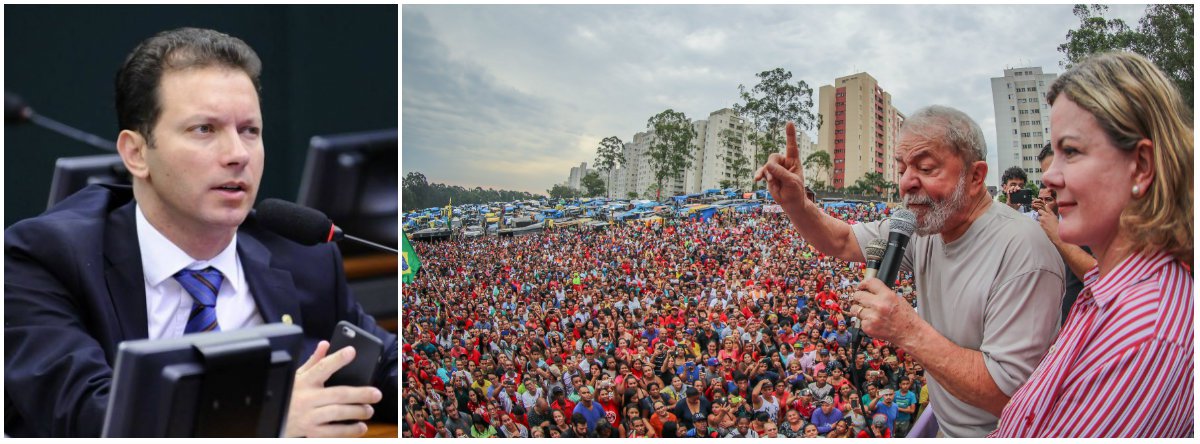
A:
x: 1122, y: 365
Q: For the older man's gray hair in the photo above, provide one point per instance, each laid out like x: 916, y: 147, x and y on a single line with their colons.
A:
x: 950, y: 127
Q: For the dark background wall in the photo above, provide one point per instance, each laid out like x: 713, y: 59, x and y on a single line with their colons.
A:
x: 326, y: 70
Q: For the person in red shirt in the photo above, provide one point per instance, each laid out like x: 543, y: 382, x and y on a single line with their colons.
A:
x: 421, y: 428
x: 608, y: 402
x: 561, y: 403
x: 837, y: 380
x: 826, y: 299
x: 803, y: 404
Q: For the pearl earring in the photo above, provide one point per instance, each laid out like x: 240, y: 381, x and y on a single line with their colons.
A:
x: 1137, y: 191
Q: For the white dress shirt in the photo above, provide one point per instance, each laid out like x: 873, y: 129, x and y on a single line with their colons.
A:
x: 168, y: 305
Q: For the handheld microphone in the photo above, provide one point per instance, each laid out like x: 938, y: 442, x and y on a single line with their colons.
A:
x: 304, y: 225
x: 903, y: 224
x: 875, y: 251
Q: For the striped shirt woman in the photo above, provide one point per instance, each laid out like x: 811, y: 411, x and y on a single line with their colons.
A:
x: 1122, y: 365
x: 1124, y: 355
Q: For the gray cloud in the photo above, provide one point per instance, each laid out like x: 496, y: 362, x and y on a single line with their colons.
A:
x: 513, y: 96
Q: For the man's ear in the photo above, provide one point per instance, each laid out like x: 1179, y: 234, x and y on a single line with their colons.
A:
x: 979, y: 170
x: 132, y: 147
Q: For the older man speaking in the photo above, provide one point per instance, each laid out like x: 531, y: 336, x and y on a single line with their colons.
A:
x: 988, y: 282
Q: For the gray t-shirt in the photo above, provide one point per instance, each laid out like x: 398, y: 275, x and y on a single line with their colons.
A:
x: 997, y: 289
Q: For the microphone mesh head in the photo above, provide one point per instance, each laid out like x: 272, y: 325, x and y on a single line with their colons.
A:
x: 903, y: 221
x: 296, y: 222
x: 876, y: 248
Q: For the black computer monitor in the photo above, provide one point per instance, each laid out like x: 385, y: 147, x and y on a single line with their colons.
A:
x: 72, y: 174
x: 227, y: 384
x: 353, y: 179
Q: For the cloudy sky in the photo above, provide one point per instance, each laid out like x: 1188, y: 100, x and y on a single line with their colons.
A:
x: 513, y: 96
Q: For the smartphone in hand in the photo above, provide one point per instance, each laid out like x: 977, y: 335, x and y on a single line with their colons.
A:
x: 367, y: 348
x: 1022, y: 197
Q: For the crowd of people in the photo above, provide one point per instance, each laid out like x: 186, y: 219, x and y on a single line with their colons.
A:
x: 738, y: 327
x: 685, y: 328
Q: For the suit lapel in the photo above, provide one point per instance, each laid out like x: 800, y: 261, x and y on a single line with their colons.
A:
x: 273, y: 289
x: 123, y: 273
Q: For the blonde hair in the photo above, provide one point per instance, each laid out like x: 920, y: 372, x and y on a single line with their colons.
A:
x: 1133, y: 100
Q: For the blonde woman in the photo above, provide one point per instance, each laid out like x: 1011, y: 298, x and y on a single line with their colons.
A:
x: 1123, y: 364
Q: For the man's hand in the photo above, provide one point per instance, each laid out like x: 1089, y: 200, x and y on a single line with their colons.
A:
x: 1008, y: 192
x: 1049, y: 223
x: 784, y: 174
x: 884, y: 314
x: 316, y: 410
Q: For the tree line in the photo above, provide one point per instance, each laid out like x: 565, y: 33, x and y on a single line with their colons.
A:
x: 417, y: 193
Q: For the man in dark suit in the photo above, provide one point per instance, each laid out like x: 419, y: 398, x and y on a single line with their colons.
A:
x: 174, y: 254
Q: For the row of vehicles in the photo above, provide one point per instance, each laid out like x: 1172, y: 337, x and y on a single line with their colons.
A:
x: 525, y: 217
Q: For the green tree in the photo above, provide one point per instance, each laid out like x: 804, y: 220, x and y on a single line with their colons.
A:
x: 417, y: 193
x: 653, y: 190
x: 770, y: 104
x: 593, y: 185
x: 858, y: 187
x: 671, y: 151
x: 736, y: 163
x: 873, y: 183
x: 560, y: 191
x: 816, y: 163
x: 725, y: 183
x: 631, y: 195
x: 610, y: 155
x: 1165, y: 35
x: 414, y: 188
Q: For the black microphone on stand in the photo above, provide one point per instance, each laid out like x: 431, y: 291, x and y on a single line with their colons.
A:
x: 16, y: 112
x: 903, y: 223
x: 304, y: 225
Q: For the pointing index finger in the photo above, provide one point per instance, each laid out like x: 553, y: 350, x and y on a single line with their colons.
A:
x: 789, y: 131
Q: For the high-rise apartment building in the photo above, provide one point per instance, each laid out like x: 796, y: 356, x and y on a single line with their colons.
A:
x: 859, y: 130
x: 719, y: 139
x: 1022, y: 119
x: 694, y: 172
x: 576, y: 177
x: 637, y: 176
x: 726, y: 137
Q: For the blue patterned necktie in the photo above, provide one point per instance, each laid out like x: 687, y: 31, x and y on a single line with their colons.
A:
x: 203, y: 285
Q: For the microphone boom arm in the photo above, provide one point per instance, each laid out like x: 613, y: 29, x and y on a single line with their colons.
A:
x: 369, y: 243
x: 74, y: 133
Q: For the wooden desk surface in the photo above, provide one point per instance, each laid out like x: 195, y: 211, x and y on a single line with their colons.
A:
x: 371, y: 265
x: 382, y: 430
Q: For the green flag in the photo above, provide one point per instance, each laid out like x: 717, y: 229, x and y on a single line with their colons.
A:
x: 409, y: 262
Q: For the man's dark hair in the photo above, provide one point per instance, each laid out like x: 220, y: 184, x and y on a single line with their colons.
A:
x: 603, y: 428
x: 138, y: 80
x: 1013, y: 173
x: 1046, y: 152
x: 578, y: 418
